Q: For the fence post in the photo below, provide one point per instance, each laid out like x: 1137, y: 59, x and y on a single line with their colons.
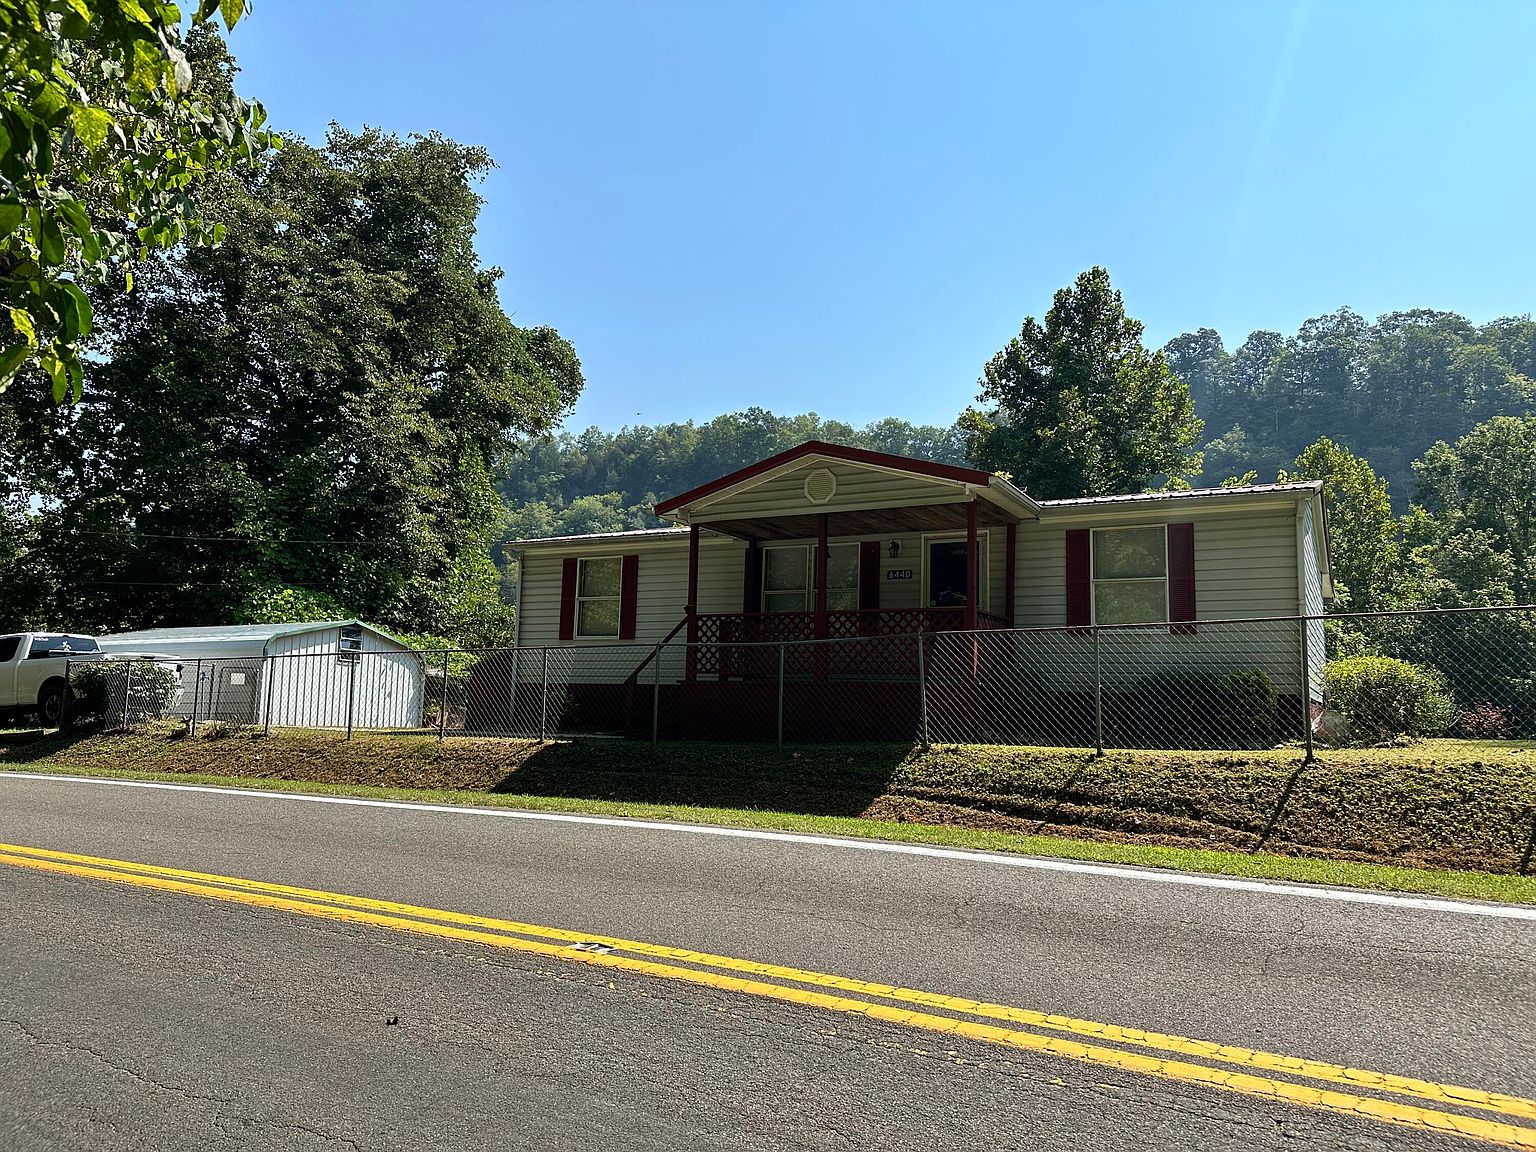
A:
x: 197, y: 687
x: 69, y: 695
x: 442, y: 700
x: 268, y: 666
x: 352, y: 688
x: 781, y: 695
x: 1306, y: 690
x: 922, y: 687
x: 1098, y: 695
x: 656, y: 695
x: 543, y: 694
x: 127, y: 696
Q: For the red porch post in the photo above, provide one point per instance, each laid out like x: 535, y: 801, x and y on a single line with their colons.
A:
x: 1010, y: 564
x: 820, y: 628
x: 972, y: 568
x: 693, y: 600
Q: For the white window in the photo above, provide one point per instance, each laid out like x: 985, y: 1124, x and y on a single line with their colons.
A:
x: 349, y: 646
x: 1130, y: 575
x: 789, y: 578
x: 597, y: 596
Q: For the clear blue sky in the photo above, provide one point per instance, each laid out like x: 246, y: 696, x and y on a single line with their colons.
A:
x: 846, y: 208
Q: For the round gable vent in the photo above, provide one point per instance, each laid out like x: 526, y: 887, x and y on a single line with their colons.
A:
x: 820, y: 486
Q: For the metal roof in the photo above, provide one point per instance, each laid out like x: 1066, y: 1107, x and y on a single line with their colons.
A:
x: 1190, y: 493
x: 236, y: 632
x: 627, y: 534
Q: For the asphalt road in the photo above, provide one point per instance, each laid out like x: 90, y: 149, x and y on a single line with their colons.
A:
x: 132, y: 1017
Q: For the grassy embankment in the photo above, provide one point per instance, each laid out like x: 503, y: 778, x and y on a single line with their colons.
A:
x: 1442, y: 817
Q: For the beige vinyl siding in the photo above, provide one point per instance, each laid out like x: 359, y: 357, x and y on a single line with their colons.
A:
x: 661, y: 591
x: 1245, y: 566
x: 858, y: 487
x: 1245, y: 562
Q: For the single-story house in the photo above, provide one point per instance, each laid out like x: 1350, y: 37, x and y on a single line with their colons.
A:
x: 302, y: 674
x: 826, y: 541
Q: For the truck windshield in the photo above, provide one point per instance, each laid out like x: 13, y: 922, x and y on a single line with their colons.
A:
x: 45, y: 647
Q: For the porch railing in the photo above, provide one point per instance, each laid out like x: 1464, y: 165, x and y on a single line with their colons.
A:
x: 783, y: 627
x: 721, y: 652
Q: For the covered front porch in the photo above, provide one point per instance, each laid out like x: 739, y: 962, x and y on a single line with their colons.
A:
x: 843, y: 545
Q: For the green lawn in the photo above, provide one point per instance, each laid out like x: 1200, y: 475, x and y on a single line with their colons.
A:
x: 1445, y: 817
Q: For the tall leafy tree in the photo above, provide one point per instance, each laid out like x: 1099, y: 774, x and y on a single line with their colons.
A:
x: 1475, y: 497
x: 1078, y: 406
x: 104, y: 142
x: 1363, y: 533
x: 319, y: 404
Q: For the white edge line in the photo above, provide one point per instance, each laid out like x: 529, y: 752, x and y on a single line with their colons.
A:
x: 1038, y: 863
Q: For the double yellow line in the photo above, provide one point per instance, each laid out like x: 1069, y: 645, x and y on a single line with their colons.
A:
x: 1287, y: 1079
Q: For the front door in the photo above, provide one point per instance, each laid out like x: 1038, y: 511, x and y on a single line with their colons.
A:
x: 944, y: 573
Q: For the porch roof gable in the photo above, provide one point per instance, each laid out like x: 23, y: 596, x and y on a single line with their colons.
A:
x: 871, y: 491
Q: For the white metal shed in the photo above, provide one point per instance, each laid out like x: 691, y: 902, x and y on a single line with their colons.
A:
x: 312, y: 674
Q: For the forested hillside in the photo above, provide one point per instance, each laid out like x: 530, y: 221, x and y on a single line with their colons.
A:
x: 1386, y: 391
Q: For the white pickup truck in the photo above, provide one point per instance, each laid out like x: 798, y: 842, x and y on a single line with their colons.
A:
x: 32, y: 671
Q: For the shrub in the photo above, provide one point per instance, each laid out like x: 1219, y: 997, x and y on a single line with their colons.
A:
x: 1179, y: 709
x: 1250, y: 700
x: 1385, y: 699
x: 1486, y: 721
x: 100, y: 688
x: 89, y: 688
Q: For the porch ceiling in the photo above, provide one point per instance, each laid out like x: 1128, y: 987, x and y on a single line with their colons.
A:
x: 862, y: 522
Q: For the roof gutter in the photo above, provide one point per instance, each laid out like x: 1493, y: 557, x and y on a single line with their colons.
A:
x: 1013, y: 495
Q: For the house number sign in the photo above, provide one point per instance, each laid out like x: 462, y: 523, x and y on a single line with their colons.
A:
x: 898, y: 574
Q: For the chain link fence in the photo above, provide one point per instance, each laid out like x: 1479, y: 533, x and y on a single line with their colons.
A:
x: 1217, y: 685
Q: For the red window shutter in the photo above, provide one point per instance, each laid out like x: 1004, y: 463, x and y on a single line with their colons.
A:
x: 568, y: 599
x: 629, y: 595
x: 1181, y: 578
x: 869, y: 574
x: 752, y: 580
x: 1079, y: 577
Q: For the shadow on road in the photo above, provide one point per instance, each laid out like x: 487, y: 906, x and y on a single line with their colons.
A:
x: 819, y: 781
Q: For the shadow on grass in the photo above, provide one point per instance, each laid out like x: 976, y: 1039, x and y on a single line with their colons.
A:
x: 1279, y: 810
x: 824, y: 781
x: 23, y: 746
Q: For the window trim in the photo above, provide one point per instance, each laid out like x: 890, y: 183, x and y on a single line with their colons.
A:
x: 617, y: 598
x: 984, y: 565
x: 349, y: 648
x: 1094, y: 581
x: 809, y: 550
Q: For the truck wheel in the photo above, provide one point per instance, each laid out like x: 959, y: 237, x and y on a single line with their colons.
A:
x: 50, y: 703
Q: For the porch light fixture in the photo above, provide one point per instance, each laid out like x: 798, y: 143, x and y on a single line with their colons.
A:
x: 894, y: 548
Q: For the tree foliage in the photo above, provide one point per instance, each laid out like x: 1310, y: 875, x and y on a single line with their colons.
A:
x: 1363, y: 536
x: 312, y: 412
x: 1385, y: 391
x: 1078, y: 406
x: 105, y: 140
x: 1473, y: 527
